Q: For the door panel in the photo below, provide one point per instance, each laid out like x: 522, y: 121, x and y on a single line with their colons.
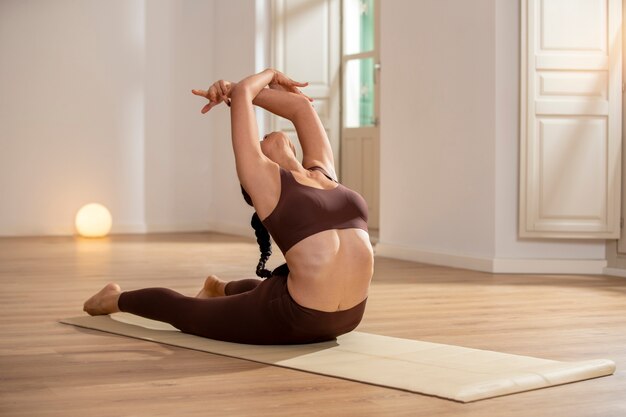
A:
x: 572, y: 25
x: 305, y: 46
x: 359, y: 152
x: 562, y: 85
x: 570, y: 154
x: 564, y: 146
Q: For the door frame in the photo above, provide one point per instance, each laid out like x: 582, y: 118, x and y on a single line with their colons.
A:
x: 373, y: 181
x: 616, y: 249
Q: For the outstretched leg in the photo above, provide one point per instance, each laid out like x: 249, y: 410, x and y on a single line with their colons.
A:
x: 264, y: 315
x: 105, y: 301
x: 249, y: 317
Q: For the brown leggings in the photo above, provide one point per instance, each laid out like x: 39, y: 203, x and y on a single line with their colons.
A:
x: 253, y: 312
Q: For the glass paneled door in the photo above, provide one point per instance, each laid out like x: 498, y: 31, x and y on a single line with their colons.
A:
x: 359, y: 133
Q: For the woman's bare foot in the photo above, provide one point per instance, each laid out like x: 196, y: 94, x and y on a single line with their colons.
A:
x: 213, y: 287
x: 104, y: 301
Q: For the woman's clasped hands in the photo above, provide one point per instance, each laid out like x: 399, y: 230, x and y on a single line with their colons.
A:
x: 218, y: 92
x: 221, y: 90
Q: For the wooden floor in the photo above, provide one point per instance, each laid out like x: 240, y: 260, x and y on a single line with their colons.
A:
x: 50, y: 369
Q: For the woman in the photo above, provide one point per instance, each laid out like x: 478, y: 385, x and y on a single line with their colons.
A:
x: 320, y: 226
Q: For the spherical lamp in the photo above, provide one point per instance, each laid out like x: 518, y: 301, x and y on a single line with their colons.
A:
x: 93, y: 220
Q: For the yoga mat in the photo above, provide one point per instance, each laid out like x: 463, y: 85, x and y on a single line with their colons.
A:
x: 452, y: 372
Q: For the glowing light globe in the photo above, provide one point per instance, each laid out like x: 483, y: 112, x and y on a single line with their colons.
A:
x: 93, y: 220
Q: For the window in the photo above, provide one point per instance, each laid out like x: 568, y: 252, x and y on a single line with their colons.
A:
x: 359, y: 53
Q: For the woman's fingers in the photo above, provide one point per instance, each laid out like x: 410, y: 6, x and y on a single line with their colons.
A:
x: 307, y: 97
x: 201, y: 93
x: 214, y: 95
x: 208, y: 107
x: 210, y: 94
x: 293, y: 83
x: 278, y: 87
x: 224, y: 92
x: 217, y: 93
x: 298, y: 91
x: 293, y: 86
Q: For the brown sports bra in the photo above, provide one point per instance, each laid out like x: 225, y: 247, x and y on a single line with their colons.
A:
x: 303, y: 211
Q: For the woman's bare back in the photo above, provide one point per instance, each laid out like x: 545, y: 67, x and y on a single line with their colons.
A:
x: 331, y: 270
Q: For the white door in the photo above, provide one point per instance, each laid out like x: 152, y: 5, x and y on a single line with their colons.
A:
x: 305, y: 46
x: 621, y: 243
x: 570, y: 154
x: 360, y: 133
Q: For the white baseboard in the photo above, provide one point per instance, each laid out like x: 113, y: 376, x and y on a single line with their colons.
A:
x: 181, y: 227
x: 499, y: 266
x: 549, y: 266
x: 118, y: 229
x: 137, y: 228
x: 70, y: 230
x: 236, y: 229
x: 434, y: 258
x: 615, y: 272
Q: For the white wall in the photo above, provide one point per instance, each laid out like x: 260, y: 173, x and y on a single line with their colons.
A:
x: 95, y: 105
x: 180, y: 55
x: 450, y: 140
x: 235, y: 59
x: 71, y: 112
x: 437, y: 126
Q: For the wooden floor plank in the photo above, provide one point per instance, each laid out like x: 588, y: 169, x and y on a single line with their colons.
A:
x: 49, y: 369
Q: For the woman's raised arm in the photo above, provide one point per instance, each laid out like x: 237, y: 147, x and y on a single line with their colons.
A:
x: 249, y: 159
x: 293, y: 105
x: 251, y: 163
x: 284, y: 99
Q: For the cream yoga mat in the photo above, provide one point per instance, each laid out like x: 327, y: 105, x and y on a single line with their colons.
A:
x: 445, y: 371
